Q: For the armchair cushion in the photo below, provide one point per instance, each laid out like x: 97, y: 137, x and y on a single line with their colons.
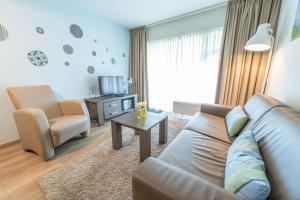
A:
x: 65, y: 127
x: 73, y: 107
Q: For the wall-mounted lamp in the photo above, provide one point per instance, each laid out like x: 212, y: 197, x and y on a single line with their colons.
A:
x: 263, y: 40
x: 127, y: 84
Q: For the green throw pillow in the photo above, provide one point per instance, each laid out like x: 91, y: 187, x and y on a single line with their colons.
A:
x: 245, y: 170
x: 236, y: 120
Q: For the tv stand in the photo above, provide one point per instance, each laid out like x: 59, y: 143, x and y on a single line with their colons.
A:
x: 104, y: 108
x: 119, y: 95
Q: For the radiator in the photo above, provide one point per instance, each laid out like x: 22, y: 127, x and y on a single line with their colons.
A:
x: 185, y: 108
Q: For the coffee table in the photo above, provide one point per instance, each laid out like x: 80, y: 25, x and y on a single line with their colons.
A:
x: 142, y: 127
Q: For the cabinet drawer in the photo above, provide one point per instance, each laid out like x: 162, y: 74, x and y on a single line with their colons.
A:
x: 111, y: 105
x: 112, y: 113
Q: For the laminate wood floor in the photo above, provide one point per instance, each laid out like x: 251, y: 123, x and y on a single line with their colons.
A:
x: 20, y: 170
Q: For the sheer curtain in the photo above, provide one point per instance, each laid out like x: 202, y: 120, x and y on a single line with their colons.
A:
x: 183, y: 68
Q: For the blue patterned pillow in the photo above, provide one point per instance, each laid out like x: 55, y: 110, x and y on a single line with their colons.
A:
x: 236, y: 119
x: 245, y: 170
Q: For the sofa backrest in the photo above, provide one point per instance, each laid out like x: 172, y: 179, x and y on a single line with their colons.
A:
x: 278, y: 136
x: 258, y: 105
x: 40, y: 96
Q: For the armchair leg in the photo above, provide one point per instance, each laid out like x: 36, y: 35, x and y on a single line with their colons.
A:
x: 84, y: 134
x: 44, y: 153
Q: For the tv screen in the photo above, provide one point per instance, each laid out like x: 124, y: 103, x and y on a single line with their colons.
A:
x: 109, y: 85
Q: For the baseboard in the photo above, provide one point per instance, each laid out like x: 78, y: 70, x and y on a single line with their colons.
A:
x: 2, y: 146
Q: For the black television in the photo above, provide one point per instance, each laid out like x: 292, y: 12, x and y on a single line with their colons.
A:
x: 111, y: 85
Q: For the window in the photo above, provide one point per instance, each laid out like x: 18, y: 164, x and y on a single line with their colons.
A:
x: 184, y: 68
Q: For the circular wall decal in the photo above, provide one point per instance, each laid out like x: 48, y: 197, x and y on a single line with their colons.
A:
x: 91, y: 70
x: 113, y: 61
x: 95, y: 40
x: 67, y: 63
x: 124, y: 55
x: 40, y: 30
x: 68, y: 49
x: 3, y: 33
x: 37, y: 58
x: 103, y: 62
x: 107, y: 49
x: 94, y: 53
x: 76, y: 31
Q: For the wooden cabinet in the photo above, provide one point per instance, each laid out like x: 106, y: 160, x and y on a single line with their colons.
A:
x: 112, y: 105
x: 104, y: 108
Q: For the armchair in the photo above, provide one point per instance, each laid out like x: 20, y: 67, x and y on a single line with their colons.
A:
x: 44, y: 123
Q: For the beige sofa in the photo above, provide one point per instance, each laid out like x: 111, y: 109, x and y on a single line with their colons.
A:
x: 44, y: 123
x: 192, y: 166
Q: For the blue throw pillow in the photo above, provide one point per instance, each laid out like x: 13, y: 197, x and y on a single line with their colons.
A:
x: 245, y: 170
x: 236, y: 119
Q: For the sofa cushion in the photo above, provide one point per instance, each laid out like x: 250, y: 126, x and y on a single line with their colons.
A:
x: 245, y: 172
x: 65, y: 127
x: 236, y: 120
x: 198, y: 154
x: 257, y: 106
x: 209, y: 125
x: 278, y: 136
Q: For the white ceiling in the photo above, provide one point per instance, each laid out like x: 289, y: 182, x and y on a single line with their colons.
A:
x: 134, y: 13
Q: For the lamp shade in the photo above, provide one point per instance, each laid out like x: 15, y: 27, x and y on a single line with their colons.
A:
x: 262, y: 40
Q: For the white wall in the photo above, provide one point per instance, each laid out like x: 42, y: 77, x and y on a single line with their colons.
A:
x: 21, y: 18
x: 201, y: 21
x: 284, y: 81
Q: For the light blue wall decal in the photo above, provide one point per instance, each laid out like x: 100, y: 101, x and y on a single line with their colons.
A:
x: 40, y: 30
x: 37, y: 58
x: 91, y: 70
x: 3, y: 33
x: 76, y: 31
x: 68, y: 49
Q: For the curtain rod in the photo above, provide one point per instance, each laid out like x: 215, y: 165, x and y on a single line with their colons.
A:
x: 218, y: 5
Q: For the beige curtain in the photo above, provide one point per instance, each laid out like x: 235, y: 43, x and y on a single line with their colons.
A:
x: 138, y: 63
x: 242, y: 73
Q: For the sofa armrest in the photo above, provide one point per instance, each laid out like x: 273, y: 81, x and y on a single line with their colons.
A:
x: 216, y: 109
x: 33, y: 128
x: 73, y: 107
x: 156, y: 179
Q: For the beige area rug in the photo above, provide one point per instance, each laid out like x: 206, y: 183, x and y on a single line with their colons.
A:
x: 104, y: 173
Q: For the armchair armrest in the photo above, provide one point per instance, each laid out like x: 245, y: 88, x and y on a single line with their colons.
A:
x: 33, y: 128
x: 73, y: 107
x: 156, y: 179
x: 216, y: 109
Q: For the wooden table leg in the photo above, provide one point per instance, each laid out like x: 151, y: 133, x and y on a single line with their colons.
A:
x: 100, y: 114
x: 145, y: 144
x: 116, y: 132
x: 163, y: 131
